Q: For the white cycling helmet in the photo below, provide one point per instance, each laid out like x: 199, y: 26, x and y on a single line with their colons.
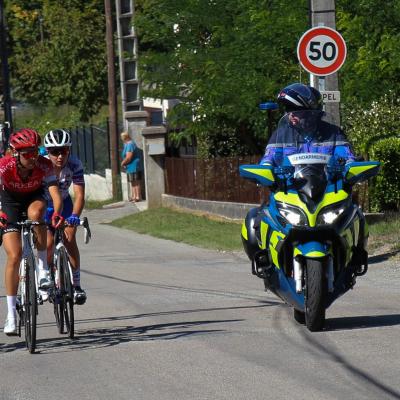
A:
x: 57, y: 138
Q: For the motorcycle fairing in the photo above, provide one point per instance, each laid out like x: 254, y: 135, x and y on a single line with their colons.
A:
x: 244, y: 231
x: 292, y: 198
x: 263, y: 233
x: 274, y: 240
x: 287, y: 292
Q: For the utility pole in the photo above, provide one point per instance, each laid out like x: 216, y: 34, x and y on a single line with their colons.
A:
x: 5, y: 75
x: 322, y: 13
x: 112, y: 105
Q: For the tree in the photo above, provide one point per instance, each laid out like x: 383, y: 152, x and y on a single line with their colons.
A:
x: 58, y: 53
x: 221, y: 59
x: 372, y: 33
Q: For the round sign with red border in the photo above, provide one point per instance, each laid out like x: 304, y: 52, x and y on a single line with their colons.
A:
x: 321, y: 51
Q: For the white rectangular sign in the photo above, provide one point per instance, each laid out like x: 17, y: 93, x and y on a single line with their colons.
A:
x: 309, y: 158
x: 330, y: 96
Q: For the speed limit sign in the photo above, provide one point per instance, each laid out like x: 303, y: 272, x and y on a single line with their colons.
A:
x: 321, y: 51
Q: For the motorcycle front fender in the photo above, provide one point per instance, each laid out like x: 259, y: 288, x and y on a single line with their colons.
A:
x: 312, y: 250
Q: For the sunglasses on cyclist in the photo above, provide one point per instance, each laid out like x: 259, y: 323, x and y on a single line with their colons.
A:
x: 57, y: 151
x: 29, y: 153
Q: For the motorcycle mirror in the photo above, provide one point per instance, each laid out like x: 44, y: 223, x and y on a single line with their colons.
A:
x: 269, y: 106
x: 263, y: 174
x: 359, y: 171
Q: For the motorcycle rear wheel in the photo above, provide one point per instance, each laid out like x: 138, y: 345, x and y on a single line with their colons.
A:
x: 316, y: 287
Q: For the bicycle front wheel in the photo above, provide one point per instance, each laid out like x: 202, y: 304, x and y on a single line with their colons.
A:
x: 64, y: 308
x: 69, y: 302
x: 57, y: 298
x: 30, y: 307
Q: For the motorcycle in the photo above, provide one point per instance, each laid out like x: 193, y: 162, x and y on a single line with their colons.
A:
x: 308, y: 244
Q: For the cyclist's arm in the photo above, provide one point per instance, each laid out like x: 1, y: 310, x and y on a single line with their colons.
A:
x: 56, y: 197
x: 79, y: 199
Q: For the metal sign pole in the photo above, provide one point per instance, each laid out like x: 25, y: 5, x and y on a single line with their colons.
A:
x: 323, y: 13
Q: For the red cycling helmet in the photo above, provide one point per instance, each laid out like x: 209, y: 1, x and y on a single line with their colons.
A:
x: 24, y: 138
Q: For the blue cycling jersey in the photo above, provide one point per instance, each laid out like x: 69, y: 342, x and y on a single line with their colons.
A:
x: 287, y: 140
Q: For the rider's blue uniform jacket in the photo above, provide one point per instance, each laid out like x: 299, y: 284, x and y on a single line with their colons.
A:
x: 287, y: 140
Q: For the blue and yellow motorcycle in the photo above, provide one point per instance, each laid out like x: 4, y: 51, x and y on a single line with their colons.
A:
x: 308, y: 244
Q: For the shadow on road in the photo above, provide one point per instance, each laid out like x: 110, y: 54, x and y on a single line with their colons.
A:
x: 326, y: 350
x: 182, y: 288
x: 95, y: 337
x: 382, y: 257
x: 361, y: 322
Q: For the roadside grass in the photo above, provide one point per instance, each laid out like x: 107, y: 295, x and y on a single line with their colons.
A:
x: 195, y: 229
x: 95, y: 204
x: 210, y: 232
x: 385, y: 235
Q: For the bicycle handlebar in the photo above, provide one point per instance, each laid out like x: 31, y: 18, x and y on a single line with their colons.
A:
x: 85, y: 224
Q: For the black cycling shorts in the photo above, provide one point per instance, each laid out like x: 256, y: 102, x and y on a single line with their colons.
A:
x: 15, y: 204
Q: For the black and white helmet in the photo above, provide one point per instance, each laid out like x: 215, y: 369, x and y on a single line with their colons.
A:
x: 57, y: 138
x: 300, y: 97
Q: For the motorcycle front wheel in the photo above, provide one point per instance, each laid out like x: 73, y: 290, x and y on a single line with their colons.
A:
x: 316, y: 287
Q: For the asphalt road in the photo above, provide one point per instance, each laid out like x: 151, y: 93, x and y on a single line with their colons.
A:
x: 170, y: 321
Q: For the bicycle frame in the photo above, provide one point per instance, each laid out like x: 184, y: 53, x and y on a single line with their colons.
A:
x: 27, y: 255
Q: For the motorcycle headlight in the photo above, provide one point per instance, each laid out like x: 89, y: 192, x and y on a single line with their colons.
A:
x: 292, y: 215
x: 328, y: 216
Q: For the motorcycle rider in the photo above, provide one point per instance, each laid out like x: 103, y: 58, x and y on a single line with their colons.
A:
x: 303, y: 132
x: 309, y: 134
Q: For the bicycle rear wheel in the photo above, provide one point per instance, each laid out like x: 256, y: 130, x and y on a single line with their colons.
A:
x: 30, y: 307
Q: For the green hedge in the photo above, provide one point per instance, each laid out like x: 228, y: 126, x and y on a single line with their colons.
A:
x: 385, y: 193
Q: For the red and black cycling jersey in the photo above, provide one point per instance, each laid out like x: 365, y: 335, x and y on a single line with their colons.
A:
x: 41, y: 175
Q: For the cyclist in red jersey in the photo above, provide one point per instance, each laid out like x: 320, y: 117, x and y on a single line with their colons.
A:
x: 23, y: 178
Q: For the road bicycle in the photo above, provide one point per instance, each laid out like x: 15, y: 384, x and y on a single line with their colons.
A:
x: 62, y: 296
x: 28, y: 296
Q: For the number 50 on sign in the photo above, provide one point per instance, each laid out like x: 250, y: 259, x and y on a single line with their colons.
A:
x: 321, y: 51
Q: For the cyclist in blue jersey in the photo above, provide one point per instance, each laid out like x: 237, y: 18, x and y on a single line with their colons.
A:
x: 69, y: 171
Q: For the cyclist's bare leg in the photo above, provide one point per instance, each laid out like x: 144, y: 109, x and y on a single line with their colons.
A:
x: 72, y: 246
x: 50, y: 247
x: 36, y: 211
x: 74, y: 258
x: 13, y: 248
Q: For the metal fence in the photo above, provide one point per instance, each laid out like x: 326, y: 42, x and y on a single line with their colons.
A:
x: 91, y: 145
x: 213, y: 179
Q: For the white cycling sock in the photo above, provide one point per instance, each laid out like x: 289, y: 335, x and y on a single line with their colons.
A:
x: 12, y: 306
x: 42, y: 260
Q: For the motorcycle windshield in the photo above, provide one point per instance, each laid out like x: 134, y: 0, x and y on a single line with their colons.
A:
x: 301, y: 132
x: 310, y: 173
